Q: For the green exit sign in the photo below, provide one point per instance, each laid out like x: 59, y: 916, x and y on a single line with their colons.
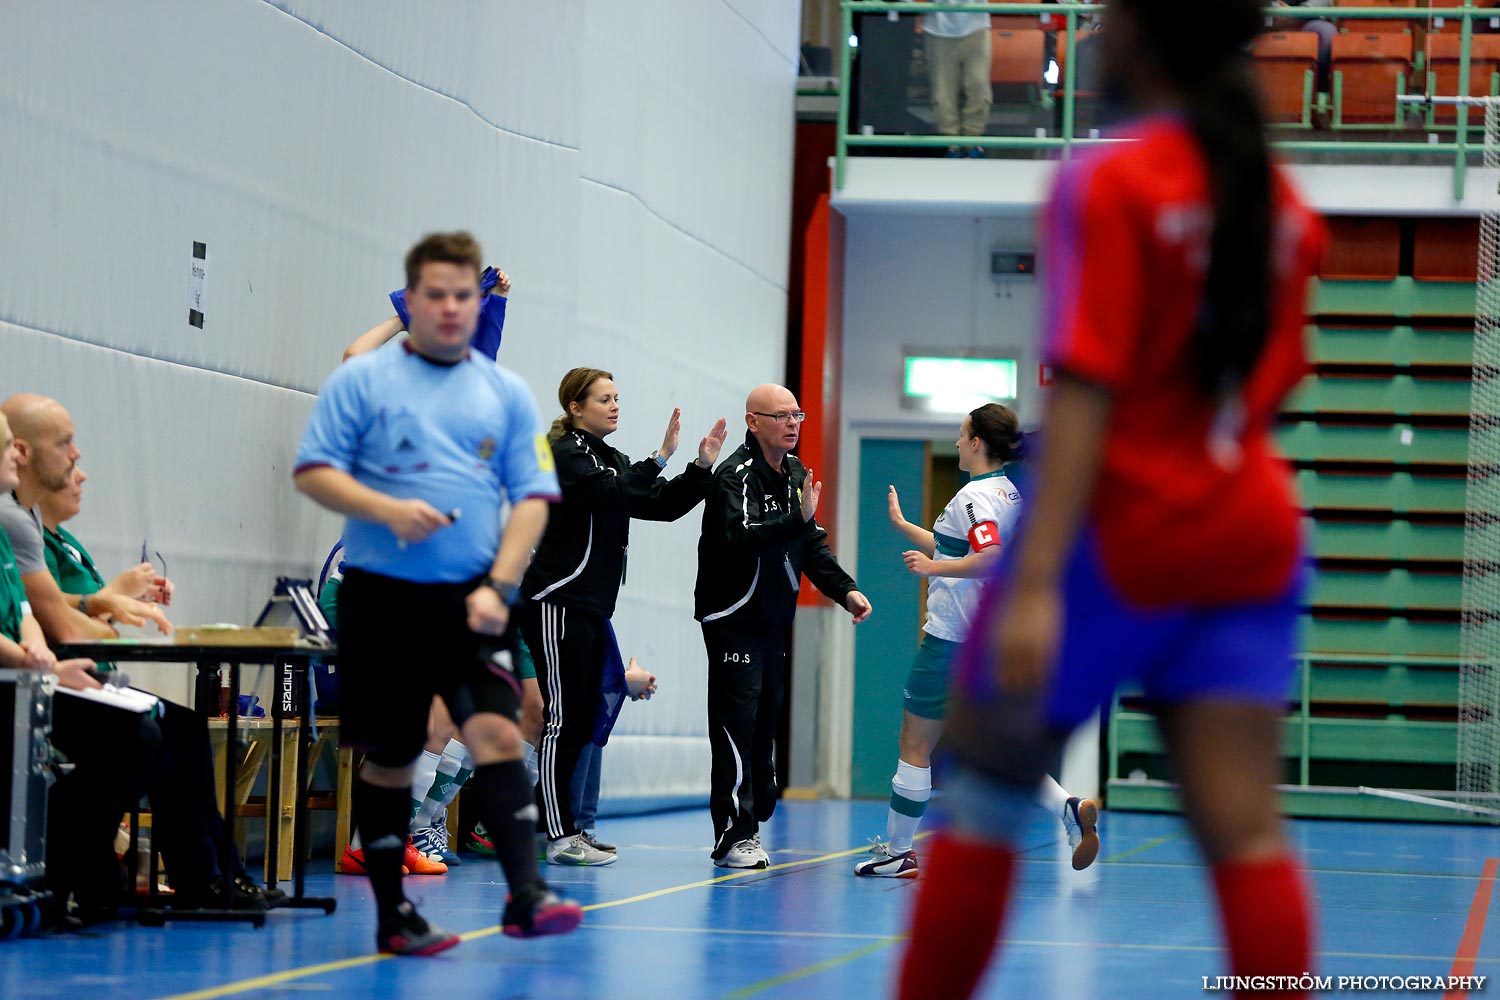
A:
x: 960, y: 383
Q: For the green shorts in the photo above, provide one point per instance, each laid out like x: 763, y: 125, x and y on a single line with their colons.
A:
x: 528, y: 665
x: 926, y: 693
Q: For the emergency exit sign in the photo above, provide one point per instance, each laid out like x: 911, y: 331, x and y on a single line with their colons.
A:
x: 961, y: 380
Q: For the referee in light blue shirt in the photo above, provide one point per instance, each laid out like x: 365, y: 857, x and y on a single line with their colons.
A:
x: 417, y: 448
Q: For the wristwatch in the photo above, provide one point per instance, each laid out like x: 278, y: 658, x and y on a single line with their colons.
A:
x: 509, y: 592
x: 661, y: 463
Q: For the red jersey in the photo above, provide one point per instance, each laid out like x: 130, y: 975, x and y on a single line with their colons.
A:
x: 1184, y: 514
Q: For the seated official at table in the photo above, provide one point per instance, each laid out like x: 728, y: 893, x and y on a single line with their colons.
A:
x: 111, y: 749
x: 180, y: 781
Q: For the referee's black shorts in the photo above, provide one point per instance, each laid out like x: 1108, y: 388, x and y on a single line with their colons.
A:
x: 400, y: 643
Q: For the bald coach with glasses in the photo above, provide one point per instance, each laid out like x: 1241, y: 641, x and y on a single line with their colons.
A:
x: 759, y: 537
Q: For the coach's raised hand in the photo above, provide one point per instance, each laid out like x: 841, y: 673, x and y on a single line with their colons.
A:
x: 710, y: 446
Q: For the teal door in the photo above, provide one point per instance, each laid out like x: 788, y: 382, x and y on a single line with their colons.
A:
x: 884, y: 645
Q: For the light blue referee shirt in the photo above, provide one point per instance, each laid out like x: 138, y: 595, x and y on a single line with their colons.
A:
x: 462, y: 437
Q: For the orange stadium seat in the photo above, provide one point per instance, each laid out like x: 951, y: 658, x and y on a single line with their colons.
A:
x: 1018, y: 56
x: 1366, y: 25
x: 1443, y: 54
x: 1287, y: 64
x: 1369, y: 71
x: 1445, y: 250
x: 1014, y: 22
x: 1361, y: 248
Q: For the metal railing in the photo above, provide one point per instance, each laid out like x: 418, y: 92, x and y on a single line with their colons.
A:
x: 1300, y: 706
x: 1067, y: 87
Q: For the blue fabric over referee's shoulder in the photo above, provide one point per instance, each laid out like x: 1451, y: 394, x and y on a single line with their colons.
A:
x: 491, y: 326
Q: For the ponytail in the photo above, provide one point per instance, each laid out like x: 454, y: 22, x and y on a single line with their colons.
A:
x: 574, y: 388
x: 1235, y: 314
x: 1000, y: 430
x: 1203, y: 52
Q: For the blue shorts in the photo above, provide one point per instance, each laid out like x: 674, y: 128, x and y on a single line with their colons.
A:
x: 1239, y: 652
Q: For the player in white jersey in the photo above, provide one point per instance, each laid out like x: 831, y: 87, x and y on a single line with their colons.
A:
x: 958, y: 555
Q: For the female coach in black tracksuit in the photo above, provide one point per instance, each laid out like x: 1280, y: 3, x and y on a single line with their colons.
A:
x: 569, y: 592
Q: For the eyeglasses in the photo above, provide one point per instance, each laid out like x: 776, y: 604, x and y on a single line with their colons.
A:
x: 145, y: 558
x: 797, y: 416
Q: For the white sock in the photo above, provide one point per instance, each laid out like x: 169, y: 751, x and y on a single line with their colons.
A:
x: 421, y: 781
x: 529, y: 755
x: 1051, y: 796
x: 459, y: 752
x: 447, y: 780
x: 910, y: 790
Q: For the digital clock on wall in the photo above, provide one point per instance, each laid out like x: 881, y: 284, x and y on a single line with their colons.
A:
x: 1011, y: 262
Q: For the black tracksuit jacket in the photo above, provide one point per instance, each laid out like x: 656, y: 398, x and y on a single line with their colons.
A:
x: 755, y: 547
x: 580, y: 562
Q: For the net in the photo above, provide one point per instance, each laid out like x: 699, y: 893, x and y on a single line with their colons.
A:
x: 1478, y: 777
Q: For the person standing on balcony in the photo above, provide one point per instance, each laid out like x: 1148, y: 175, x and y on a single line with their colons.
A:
x: 958, y: 65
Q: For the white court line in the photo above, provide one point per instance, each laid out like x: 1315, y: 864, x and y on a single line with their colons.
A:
x: 1311, y: 871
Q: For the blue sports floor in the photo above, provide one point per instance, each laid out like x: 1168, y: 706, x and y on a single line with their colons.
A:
x: 663, y: 924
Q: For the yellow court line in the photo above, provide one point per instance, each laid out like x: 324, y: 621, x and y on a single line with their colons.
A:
x: 870, y: 949
x: 262, y: 982
x: 277, y: 978
x: 811, y: 970
x: 1146, y: 846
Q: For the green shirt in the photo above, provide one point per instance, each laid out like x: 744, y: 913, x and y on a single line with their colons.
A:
x: 73, y: 568
x: 328, y: 598
x: 70, y: 563
x: 13, y: 606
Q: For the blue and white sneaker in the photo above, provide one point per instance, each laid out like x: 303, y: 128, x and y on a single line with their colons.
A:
x: 433, y: 842
x: 1080, y: 817
x: 440, y: 840
x: 886, y: 864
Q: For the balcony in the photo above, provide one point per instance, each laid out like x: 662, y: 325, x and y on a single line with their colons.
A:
x: 1343, y: 85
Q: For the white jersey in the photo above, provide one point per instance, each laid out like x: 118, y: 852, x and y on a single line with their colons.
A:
x: 947, y: 25
x: 982, y: 515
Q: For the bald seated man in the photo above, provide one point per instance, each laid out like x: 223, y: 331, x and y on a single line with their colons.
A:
x: 759, y: 537
x: 175, y: 761
x: 46, y: 456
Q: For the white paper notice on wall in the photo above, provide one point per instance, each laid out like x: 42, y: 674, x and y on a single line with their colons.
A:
x: 197, y: 284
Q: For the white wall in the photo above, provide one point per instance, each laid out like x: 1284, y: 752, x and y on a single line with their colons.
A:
x: 631, y: 170
x: 917, y: 283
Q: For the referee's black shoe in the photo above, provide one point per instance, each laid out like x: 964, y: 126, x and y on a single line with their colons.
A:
x: 537, y: 910
x: 409, y: 934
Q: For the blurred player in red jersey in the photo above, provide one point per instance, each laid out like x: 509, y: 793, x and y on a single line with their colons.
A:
x: 1161, y: 543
